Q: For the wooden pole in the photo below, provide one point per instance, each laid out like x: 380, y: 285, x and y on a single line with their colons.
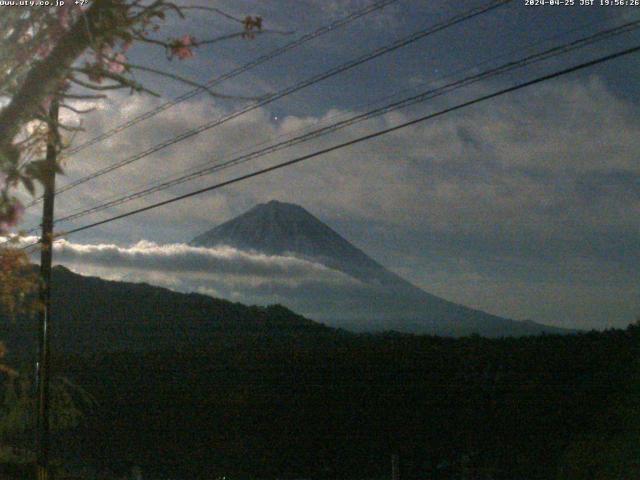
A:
x: 395, y: 467
x: 43, y: 367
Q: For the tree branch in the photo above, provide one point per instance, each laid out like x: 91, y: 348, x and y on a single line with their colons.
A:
x: 44, y: 79
x: 188, y: 82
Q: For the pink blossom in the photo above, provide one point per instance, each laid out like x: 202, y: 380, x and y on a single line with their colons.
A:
x: 18, y: 211
x: 64, y: 16
x: 182, y: 48
x: 44, y: 49
x: 105, y: 51
x: 117, y: 64
x: 65, y: 13
x: 94, y: 73
x: 46, y: 103
x: 10, y: 215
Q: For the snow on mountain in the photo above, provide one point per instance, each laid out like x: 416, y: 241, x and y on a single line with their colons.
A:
x: 385, y: 300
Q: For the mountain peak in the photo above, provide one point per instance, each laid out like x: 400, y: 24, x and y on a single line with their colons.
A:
x: 287, y: 210
x: 280, y: 228
x: 278, y: 205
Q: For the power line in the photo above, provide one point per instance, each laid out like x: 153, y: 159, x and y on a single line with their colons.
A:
x: 231, y: 74
x: 234, y: 73
x: 361, y: 139
x: 294, y: 134
x: 421, y: 97
x: 398, y: 44
x: 474, y: 12
x: 226, y: 76
x: 292, y: 89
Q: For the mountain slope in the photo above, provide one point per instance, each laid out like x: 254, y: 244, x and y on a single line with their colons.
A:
x: 278, y: 228
x: 94, y: 315
x: 384, y: 300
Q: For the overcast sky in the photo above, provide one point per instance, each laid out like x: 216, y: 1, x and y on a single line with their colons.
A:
x: 525, y: 206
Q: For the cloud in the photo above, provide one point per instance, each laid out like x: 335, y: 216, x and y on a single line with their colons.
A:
x: 197, y: 261
x: 224, y: 272
x: 529, y: 163
x: 542, y: 177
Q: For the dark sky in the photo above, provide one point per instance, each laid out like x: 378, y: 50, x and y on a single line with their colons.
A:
x: 525, y: 206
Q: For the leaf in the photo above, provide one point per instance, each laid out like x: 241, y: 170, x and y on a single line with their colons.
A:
x: 28, y: 184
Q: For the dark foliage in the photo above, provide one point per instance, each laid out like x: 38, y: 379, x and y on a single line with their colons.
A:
x: 261, y: 392
x: 331, y: 405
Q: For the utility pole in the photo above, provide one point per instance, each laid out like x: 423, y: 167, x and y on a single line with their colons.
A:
x: 43, y: 367
x: 395, y: 466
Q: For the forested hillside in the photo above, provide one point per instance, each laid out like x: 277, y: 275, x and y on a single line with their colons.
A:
x: 332, y: 405
x: 187, y: 386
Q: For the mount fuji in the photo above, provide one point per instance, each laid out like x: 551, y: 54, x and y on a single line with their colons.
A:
x: 377, y: 300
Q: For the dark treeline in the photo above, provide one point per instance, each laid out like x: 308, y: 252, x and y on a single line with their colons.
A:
x: 188, y: 386
x: 333, y: 405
